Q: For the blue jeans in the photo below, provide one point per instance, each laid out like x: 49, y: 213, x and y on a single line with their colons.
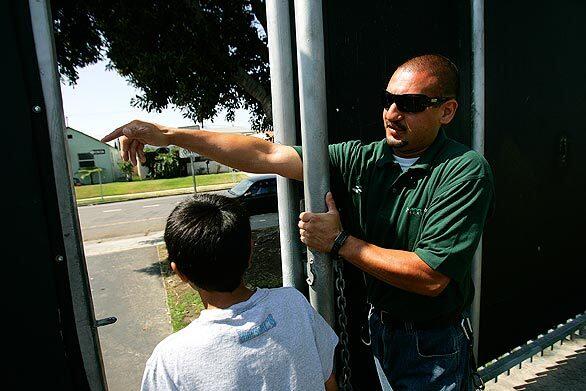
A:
x: 410, y: 359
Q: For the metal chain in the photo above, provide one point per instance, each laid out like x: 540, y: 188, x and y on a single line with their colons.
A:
x: 344, y: 378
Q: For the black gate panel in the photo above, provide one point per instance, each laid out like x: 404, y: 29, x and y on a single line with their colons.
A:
x: 365, y: 42
x: 533, y: 269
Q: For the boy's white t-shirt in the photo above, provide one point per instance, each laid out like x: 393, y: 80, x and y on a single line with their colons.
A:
x: 273, y: 341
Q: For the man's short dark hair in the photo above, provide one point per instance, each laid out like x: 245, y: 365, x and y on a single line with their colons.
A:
x: 208, y: 238
x: 439, y: 66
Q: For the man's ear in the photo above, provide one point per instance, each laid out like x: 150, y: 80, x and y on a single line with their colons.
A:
x: 176, y: 271
x: 448, y: 111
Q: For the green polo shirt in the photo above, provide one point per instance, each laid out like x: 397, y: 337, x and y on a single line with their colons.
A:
x: 437, y: 209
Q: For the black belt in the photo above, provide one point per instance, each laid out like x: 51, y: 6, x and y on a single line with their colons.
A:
x: 393, y: 322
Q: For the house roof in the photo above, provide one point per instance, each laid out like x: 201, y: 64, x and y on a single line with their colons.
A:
x: 87, y: 135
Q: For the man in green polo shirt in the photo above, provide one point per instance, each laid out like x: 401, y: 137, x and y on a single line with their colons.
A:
x: 414, y: 206
x: 413, y: 209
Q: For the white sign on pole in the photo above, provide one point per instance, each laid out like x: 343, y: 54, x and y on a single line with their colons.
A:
x: 183, y: 153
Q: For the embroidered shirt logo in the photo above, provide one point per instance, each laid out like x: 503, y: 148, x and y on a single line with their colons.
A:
x: 416, y: 211
x: 255, y: 331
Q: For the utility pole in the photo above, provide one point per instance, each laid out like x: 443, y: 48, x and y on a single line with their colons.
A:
x: 192, y: 160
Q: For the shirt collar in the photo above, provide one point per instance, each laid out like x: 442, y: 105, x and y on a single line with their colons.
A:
x: 236, y: 309
x: 425, y: 161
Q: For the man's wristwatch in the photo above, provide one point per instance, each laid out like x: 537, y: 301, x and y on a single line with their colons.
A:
x: 338, y: 243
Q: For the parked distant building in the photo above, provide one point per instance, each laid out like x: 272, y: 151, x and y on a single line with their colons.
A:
x: 86, y: 151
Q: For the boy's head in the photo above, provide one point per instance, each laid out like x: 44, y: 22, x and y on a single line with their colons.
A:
x: 208, y: 238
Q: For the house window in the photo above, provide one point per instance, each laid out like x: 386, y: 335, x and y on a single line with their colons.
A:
x: 69, y: 136
x: 86, y: 160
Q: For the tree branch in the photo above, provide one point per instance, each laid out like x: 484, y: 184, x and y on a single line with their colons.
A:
x: 259, y: 9
x: 255, y: 89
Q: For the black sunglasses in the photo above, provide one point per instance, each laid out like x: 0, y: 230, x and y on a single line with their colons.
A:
x: 411, y: 103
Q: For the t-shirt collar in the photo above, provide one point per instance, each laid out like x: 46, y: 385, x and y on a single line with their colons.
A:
x: 424, y: 162
x: 238, y: 308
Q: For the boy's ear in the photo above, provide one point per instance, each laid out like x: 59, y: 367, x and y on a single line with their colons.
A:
x: 176, y: 271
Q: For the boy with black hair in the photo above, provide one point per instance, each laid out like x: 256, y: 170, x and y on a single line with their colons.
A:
x: 268, y: 339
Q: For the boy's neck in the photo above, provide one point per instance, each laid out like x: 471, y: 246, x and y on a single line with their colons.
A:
x: 221, y: 300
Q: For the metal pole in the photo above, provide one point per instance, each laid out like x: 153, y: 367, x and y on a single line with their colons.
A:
x: 138, y: 170
x: 83, y: 308
x: 281, y: 65
x: 193, y: 173
x: 101, y: 189
x: 478, y: 118
x: 316, y: 177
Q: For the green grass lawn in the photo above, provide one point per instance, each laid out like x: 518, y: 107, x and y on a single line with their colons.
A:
x: 121, y: 188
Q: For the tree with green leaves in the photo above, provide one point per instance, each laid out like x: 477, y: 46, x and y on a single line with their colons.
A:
x: 166, y: 165
x: 85, y: 172
x: 127, y: 169
x: 201, y: 56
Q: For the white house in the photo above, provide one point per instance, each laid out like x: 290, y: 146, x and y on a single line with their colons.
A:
x: 203, y: 165
x: 86, y: 151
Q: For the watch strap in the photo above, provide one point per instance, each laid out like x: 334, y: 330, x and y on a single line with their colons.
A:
x: 338, y: 243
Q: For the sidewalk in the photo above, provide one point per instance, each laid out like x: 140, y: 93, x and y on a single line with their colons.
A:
x: 128, y: 285
x: 559, y: 368
x: 153, y: 194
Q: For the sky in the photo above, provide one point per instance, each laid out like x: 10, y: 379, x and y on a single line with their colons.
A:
x: 100, y: 102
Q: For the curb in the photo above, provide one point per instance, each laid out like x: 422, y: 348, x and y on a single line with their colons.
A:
x: 153, y: 194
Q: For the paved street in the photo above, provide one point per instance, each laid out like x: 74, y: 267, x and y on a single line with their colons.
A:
x: 139, y: 217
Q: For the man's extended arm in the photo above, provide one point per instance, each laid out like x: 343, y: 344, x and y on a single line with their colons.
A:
x: 241, y: 152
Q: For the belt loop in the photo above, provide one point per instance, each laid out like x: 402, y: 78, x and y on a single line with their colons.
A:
x: 408, y: 326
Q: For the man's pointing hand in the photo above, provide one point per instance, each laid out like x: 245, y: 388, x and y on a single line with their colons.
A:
x: 135, y: 135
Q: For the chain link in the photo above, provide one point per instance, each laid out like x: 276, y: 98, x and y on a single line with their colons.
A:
x: 344, y: 378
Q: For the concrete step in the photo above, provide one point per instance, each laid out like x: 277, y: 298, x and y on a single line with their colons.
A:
x: 563, y: 368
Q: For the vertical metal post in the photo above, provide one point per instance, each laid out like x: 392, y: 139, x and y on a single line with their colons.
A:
x: 193, y: 173
x: 83, y: 309
x: 478, y: 121
x: 138, y: 170
x: 101, y: 188
x: 281, y: 65
x: 316, y: 178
